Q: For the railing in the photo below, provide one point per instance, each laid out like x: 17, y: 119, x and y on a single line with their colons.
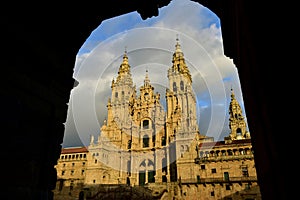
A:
x: 219, y: 180
x: 222, y: 158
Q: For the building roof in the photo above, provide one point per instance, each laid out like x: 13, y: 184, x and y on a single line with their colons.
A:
x: 74, y: 150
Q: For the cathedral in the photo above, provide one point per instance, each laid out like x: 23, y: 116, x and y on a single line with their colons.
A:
x: 143, y: 145
x: 141, y: 141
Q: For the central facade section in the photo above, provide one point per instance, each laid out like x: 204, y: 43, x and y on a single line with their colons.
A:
x: 140, y: 142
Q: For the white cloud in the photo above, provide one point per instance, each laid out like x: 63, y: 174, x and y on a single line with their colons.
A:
x: 150, y: 45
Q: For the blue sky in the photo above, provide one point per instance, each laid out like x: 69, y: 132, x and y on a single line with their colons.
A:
x: 150, y: 44
x: 120, y: 24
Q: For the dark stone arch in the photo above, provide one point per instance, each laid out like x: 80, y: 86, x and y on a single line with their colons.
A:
x: 40, y: 50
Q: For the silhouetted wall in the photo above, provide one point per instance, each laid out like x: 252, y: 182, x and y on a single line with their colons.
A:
x: 39, y: 43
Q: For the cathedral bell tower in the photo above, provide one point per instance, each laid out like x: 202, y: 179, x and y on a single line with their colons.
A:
x: 181, y: 122
x: 237, y: 123
x: 181, y: 100
x: 122, y: 89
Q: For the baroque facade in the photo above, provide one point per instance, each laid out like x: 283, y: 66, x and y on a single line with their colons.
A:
x: 142, y: 145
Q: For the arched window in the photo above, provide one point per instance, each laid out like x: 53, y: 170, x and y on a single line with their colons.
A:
x: 181, y: 86
x: 163, y: 141
x: 129, y: 166
x: 164, y: 166
x: 153, y: 140
x: 146, y: 96
x: 146, y: 124
x: 174, y: 87
x: 145, y: 141
x: 238, y: 131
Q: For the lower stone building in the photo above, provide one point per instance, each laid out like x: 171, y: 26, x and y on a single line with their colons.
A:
x: 220, y: 170
x: 71, y: 172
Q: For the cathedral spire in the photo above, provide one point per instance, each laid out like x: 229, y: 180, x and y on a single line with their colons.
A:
x: 125, y: 57
x: 147, y: 80
x: 124, y: 75
x: 124, y: 67
x: 179, y: 65
x: 237, y: 123
x: 121, y: 90
x: 177, y: 46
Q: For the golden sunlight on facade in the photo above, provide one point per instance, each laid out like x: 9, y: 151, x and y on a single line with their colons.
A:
x: 146, y: 152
